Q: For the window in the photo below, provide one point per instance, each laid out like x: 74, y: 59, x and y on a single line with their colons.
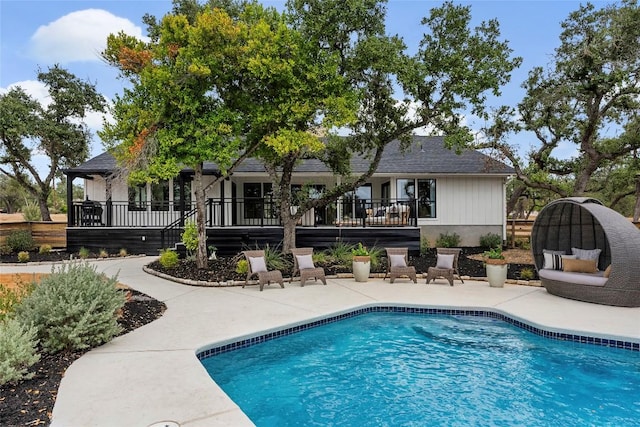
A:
x: 160, y: 196
x: 177, y: 195
x: 426, y: 198
x: 405, y: 190
x: 258, y: 200
x: 138, y: 198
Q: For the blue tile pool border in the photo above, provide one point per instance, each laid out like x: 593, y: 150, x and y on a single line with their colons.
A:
x: 626, y: 345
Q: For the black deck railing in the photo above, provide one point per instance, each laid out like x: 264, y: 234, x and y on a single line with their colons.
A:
x: 252, y: 212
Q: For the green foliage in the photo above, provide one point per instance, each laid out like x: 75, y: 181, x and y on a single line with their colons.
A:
x: 84, y: 253
x: 17, y: 351
x: 23, y: 256
x: 56, y: 130
x: 527, y: 273
x: 45, y: 249
x: 190, y: 237
x: 275, y: 259
x: 376, y: 253
x: 122, y: 252
x: 242, y: 267
x: 448, y: 240
x: 5, y: 250
x: 341, y: 252
x: 360, y: 250
x: 20, y: 240
x: 73, y: 308
x: 424, y: 245
x: 31, y: 212
x: 10, y: 297
x: 494, y: 253
x: 490, y: 240
x: 168, y: 258
x: 103, y: 253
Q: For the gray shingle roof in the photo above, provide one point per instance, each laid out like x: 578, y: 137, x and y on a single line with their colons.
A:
x: 426, y: 155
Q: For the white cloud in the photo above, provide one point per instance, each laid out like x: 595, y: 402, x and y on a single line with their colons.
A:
x: 78, y: 36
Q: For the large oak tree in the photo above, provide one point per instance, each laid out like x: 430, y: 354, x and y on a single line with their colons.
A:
x: 591, y: 88
x: 56, y: 130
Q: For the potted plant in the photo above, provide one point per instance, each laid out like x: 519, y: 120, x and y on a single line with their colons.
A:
x: 361, y: 263
x: 496, y: 267
x: 212, y: 252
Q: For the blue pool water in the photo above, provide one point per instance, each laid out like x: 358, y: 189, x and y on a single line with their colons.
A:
x: 393, y: 369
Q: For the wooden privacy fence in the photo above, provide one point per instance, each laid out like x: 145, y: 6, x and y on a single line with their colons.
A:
x: 43, y: 232
x: 521, y: 228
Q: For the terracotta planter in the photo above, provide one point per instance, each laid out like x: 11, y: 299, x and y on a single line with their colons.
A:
x: 361, y: 268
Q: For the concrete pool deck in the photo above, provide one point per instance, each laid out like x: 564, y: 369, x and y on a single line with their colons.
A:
x: 151, y: 376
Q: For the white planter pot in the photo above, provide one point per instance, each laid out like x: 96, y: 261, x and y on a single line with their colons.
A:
x: 496, y: 274
x: 361, y: 268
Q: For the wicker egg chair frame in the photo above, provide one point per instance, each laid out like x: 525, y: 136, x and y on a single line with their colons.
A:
x: 585, y: 223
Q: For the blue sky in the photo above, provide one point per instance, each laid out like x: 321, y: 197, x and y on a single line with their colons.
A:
x: 39, y: 33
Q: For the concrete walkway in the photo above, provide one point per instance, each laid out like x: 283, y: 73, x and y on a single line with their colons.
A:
x: 151, y: 376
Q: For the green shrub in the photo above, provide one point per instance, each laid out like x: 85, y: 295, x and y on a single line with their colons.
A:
x: 242, y: 267
x: 446, y: 240
x: 275, y: 259
x: 17, y: 351
x: 103, y: 253
x: 123, y: 252
x: 424, y: 245
x: 31, y: 212
x: 341, y: 253
x: 527, y: 273
x: 73, y: 308
x: 20, y: 240
x: 375, y: 253
x: 84, y: 253
x: 5, y: 250
x: 23, y: 256
x: 490, y: 240
x: 45, y: 249
x: 190, y: 237
x: 10, y: 297
x: 168, y: 258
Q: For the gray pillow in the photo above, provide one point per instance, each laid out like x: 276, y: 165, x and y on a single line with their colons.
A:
x: 305, y: 261
x: 397, y: 260
x: 445, y: 261
x: 257, y: 264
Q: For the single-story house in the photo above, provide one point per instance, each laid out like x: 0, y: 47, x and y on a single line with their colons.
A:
x: 419, y: 193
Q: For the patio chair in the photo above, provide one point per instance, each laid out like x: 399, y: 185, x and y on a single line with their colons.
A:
x: 257, y: 266
x: 446, y: 265
x: 303, y: 265
x: 397, y: 259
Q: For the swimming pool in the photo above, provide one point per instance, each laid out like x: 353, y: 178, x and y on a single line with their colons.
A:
x: 413, y: 369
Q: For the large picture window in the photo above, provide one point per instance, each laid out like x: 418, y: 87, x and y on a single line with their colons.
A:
x: 178, y: 195
x: 138, y: 198
x: 426, y: 198
x: 160, y: 196
x: 258, y: 200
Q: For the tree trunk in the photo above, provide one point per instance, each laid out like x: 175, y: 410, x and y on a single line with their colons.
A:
x: 289, y: 238
x: 636, y: 210
x: 44, y: 209
x: 201, y: 255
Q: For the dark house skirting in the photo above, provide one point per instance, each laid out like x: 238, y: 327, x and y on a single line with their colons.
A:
x: 231, y: 240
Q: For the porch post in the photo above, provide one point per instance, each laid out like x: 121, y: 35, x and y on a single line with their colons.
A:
x: 222, y: 204
x: 182, y: 199
x: 70, y: 208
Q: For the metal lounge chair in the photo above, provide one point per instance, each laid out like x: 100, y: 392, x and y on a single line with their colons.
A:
x: 443, y: 268
x: 397, y: 265
x: 257, y: 266
x: 303, y: 265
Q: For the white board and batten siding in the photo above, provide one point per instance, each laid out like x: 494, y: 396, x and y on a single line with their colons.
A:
x: 469, y: 201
